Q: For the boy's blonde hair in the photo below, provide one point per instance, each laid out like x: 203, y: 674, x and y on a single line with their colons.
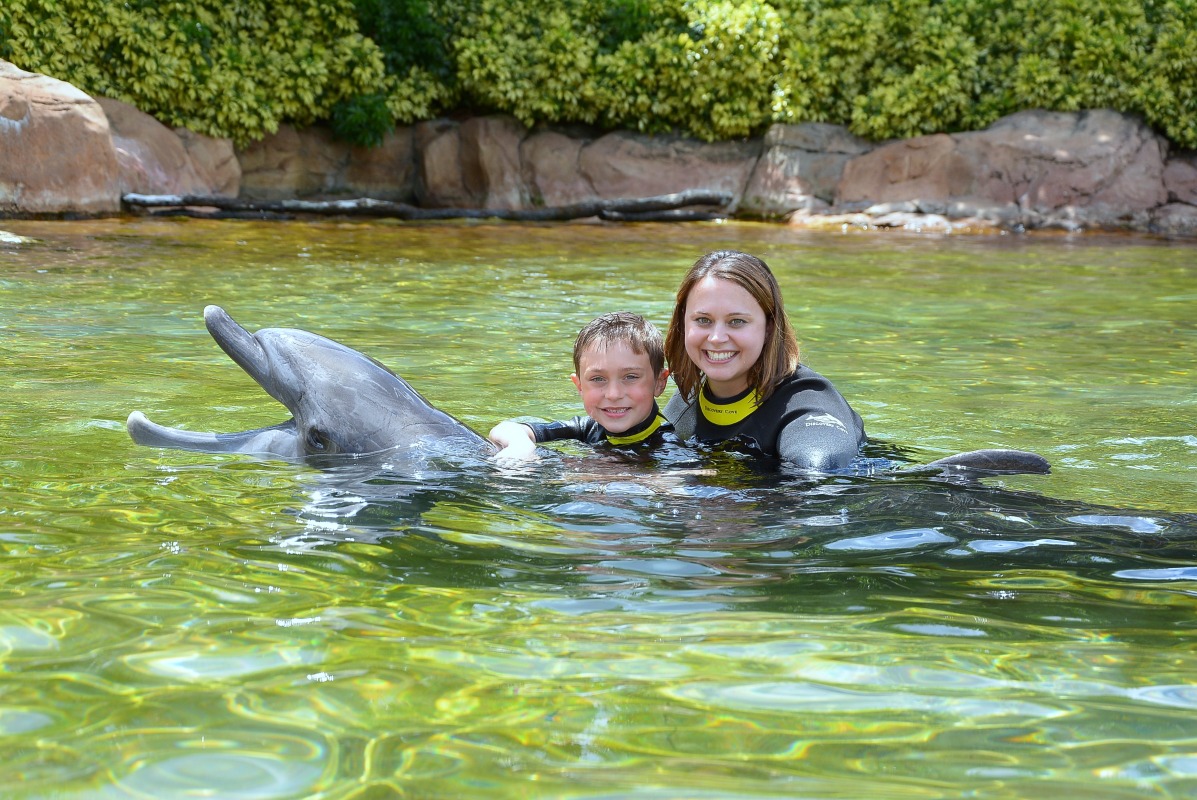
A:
x: 622, y: 326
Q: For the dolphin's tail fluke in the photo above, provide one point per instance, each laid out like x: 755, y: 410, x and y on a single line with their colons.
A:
x: 1010, y: 462
x: 277, y: 440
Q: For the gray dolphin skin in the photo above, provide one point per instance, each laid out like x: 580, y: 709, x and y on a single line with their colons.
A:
x: 992, y: 461
x: 342, y: 402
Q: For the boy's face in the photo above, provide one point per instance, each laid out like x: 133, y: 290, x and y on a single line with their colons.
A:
x: 617, y: 385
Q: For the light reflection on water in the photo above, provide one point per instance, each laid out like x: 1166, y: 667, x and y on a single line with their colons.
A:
x: 181, y: 625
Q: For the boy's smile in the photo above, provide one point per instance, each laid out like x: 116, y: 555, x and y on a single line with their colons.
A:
x: 617, y: 386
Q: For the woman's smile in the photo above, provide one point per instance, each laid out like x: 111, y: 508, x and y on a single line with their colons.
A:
x: 725, y: 333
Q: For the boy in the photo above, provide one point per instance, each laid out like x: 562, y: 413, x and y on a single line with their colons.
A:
x: 619, y: 363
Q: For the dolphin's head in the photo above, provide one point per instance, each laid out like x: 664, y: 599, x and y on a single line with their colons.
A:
x: 342, y: 402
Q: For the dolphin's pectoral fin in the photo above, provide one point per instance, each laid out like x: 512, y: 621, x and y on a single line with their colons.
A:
x: 277, y: 440
x: 1009, y: 462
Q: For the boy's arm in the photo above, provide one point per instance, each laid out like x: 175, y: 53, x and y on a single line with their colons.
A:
x: 515, y: 440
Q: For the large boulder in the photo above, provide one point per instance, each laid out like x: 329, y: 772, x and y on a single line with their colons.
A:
x: 215, y: 160
x: 551, y: 169
x: 152, y: 157
x: 490, y: 161
x: 1176, y: 219
x: 440, y: 179
x: 800, y: 168
x: 1091, y: 167
x: 311, y: 163
x: 385, y: 172
x: 1180, y: 177
x: 293, y: 163
x: 624, y: 164
x: 56, y: 153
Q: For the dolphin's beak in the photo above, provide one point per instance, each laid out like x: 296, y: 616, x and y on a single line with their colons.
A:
x: 240, y: 345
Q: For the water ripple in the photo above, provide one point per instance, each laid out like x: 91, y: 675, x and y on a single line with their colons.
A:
x: 893, y: 540
x: 809, y: 698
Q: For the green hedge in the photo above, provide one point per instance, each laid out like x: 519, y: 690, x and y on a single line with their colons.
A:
x: 222, y: 68
x: 714, y: 69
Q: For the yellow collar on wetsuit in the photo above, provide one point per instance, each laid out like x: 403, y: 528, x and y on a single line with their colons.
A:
x: 640, y: 432
x: 727, y: 412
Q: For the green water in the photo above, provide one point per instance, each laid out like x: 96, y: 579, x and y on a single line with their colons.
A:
x: 185, y: 625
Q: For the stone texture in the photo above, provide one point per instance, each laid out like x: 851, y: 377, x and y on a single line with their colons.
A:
x: 312, y: 163
x: 1097, y: 167
x: 911, y: 222
x: 800, y: 168
x: 293, y: 163
x: 386, y: 172
x: 56, y: 152
x: 624, y: 164
x: 551, y: 169
x: 152, y: 158
x: 490, y: 161
x: 926, y: 167
x: 1177, y: 219
x: 1180, y: 178
x: 1055, y: 160
x: 440, y: 179
x: 215, y: 160
x: 817, y: 137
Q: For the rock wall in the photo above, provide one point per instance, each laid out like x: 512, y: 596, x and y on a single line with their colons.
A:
x: 64, y: 153
x: 1035, y: 169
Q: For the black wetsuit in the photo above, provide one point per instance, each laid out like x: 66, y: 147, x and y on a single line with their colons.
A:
x: 806, y: 422
x: 585, y: 429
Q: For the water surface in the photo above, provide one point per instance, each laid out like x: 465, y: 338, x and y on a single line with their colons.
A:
x: 184, y: 625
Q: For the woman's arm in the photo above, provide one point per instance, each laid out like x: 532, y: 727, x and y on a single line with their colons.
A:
x: 819, y: 429
x: 820, y: 441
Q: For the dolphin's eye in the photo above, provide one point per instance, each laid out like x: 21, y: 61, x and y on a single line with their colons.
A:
x: 317, y: 441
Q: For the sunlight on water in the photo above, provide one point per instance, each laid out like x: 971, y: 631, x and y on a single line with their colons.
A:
x: 178, y: 625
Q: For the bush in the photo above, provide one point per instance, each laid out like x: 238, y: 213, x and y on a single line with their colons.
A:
x: 1167, y: 94
x: 707, y: 69
x: 531, y: 60
x: 1067, y: 55
x: 714, y: 69
x: 903, y: 67
x: 224, y: 69
x: 364, y: 120
x: 420, y: 77
x: 702, y: 67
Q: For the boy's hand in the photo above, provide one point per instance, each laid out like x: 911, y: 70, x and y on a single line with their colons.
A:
x: 516, y: 443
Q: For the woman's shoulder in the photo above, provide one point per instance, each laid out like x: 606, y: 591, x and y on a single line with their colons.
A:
x: 806, y: 399
x: 803, y: 379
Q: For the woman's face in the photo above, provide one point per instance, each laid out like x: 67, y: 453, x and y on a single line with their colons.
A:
x: 725, y: 333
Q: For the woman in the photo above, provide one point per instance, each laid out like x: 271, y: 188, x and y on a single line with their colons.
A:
x: 734, y: 359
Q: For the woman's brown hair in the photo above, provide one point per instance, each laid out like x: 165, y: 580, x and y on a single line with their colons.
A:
x: 779, y: 356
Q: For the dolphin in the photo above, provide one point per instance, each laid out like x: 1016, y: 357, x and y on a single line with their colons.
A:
x: 342, y: 402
